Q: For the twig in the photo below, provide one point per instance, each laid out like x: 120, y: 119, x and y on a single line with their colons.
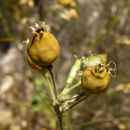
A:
x: 104, y: 120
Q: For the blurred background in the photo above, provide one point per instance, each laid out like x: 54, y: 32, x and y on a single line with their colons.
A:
x: 80, y: 26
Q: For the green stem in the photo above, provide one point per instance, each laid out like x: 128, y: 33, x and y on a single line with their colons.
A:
x: 51, y: 89
x: 56, y: 100
x: 68, y: 90
x: 60, y: 121
x: 53, y: 82
x: 75, y: 86
x: 59, y: 115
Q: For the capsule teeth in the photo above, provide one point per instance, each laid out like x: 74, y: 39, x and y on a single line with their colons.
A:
x: 42, y: 26
x: 41, y: 34
x: 36, y: 25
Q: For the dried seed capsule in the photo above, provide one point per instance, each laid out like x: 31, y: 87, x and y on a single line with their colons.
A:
x: 43, y: 48
x: 95, y: 79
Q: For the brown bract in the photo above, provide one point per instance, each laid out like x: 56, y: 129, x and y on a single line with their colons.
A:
x: 95, y: 82
x: 43, y: 48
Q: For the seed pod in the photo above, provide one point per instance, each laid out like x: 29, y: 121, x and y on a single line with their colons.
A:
x: 43, y: 48
x: 95, y: 79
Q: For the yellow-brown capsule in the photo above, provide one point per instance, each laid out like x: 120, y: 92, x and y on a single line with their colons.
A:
x: 95, y: 79
x: 43, y: 48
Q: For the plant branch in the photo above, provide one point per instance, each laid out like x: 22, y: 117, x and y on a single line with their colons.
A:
x: 56, y: 100
x: 68, y: 90
x: 75, y: 86
x: 104, y: 120
x: 51, y: 89
x: 53, y: 82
